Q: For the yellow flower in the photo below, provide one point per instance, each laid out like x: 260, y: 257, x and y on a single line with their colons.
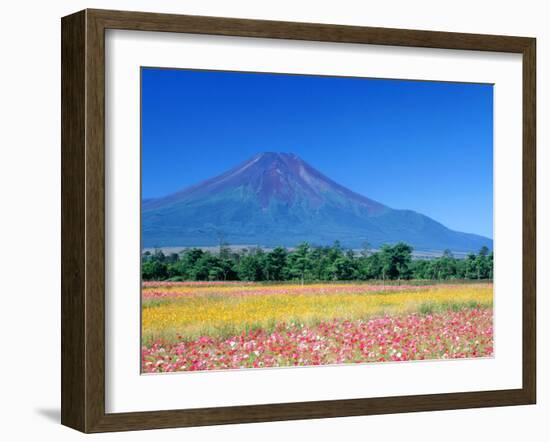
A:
x: 231, y: 309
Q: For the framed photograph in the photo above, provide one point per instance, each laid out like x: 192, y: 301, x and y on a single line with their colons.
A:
x: 267, y: 221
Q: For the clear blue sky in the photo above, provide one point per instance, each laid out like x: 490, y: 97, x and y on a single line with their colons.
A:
x: 425, y: 146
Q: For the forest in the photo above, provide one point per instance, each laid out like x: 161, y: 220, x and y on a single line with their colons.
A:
x: 307, y: 263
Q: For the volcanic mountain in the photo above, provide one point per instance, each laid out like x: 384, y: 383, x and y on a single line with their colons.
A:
x: 278, y: 199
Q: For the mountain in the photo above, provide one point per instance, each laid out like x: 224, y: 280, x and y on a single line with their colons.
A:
x: 279, y: 199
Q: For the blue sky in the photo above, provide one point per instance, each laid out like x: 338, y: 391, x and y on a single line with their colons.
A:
x: 419, y: 145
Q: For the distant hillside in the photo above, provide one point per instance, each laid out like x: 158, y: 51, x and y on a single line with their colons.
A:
x: 278, y: 199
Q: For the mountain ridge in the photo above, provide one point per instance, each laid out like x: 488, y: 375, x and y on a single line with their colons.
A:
x: 277, y: 198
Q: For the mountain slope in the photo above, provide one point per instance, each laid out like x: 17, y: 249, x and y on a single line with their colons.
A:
x: 278, y: 199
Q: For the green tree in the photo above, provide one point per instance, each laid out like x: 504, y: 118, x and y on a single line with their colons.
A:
x: 154, y: 270
x: 470, y: 267
x: 396, y: 261
x: 312, y: 263
x: 275, y: 263
x: 372, y: 267
x: 250, y: 267
x: 299, y: 261
x: 343, y: 268
x: 484, y: 251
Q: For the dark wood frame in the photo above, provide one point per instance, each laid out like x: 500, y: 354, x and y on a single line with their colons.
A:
x: 83, y: 217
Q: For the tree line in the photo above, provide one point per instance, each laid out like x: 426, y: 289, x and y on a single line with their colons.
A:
x: 308, y: 263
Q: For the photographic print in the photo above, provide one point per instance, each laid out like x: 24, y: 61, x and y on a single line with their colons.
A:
x: 305, y: 220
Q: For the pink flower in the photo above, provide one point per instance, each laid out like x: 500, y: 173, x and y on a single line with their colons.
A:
x: 461, y: 334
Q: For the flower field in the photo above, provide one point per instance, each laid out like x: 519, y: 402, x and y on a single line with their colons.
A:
x: 213, y: 326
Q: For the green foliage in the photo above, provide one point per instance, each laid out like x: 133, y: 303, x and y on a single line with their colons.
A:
x: 299, y: 262
x: 307, y: 263
x: 396, y: 261
x: 250, y: 268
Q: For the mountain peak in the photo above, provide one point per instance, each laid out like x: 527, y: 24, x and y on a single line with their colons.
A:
x: 283, y: 177
x: 276, y: 155
x: 282, y: 158
x: 275, y: 178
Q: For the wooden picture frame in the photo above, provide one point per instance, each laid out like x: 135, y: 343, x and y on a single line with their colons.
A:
x: 83, y: 220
